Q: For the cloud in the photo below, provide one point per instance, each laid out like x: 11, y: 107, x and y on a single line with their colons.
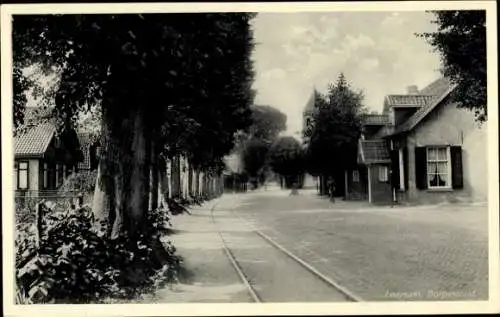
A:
x: 369, y: 64
x: 275, y: 73
x: 378, y: 52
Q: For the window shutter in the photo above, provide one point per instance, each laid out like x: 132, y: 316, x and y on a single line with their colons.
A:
x: 395, y: 169
x: 405, y: 166
x: 421, y: 167
x: 457, y: 179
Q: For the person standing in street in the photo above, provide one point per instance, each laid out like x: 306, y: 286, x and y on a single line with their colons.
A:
x: 331, y: 189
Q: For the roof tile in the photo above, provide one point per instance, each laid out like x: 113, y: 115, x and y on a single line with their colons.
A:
x: 35, y: 141
x: 374, y: 151
x: 85, y: 141
x: 408, y: 100
x: 441, y: 88
x: 375, y: 119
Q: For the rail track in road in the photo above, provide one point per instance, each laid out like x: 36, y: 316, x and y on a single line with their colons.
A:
x: 256, y: 297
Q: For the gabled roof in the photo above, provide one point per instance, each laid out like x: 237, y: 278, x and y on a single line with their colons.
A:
x: 373, y: 151
x: 441, y: 88
x: 35, y: 141
x: 375, y: 119
x: 384, y: 131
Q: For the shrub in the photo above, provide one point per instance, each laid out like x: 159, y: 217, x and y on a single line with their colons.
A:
x: 75, y: 264
x: 82, y: 181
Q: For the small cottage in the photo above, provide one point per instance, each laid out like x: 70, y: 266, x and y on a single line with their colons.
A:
x: 43, y: 159
x: 422, y: 149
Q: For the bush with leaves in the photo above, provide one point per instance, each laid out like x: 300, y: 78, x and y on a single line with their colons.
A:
x: 83, y: 181
x: 74, y: 264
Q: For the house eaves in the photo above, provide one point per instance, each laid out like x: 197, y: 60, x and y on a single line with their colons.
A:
x: 422, y: 113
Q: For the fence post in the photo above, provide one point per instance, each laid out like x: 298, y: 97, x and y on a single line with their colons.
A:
x: 39, y: 223
x: 80, y: 200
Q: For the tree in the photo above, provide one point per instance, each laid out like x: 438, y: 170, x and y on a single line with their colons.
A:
x: 461, y: 41
x: 131, y: 66
x: 334, y: 130
x: 268, y: 122
x: 254, y: 144
x: 286, y: 159
x: 254, y: 159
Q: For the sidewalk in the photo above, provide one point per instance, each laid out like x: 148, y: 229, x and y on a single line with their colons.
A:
x: 208, y: 276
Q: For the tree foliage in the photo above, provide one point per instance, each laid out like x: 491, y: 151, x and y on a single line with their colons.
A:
x: 460, y: 39
x: 254, y: 145
x: 267, y: 123
x: 165, y: 84
x: 334, y: 129
x: 286, y: 158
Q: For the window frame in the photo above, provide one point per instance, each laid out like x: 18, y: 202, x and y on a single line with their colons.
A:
x: 448, y: 174
x: 355, y: 176
x: 59, y: 175
x: 18, y: 170
x: 383, y: 173
x: 45, y: 175
x: 401, y: 169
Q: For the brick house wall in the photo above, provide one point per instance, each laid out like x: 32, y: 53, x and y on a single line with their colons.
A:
x: 449, y: 125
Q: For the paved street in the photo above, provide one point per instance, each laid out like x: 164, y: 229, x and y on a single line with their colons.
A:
x: 210, y: 277
x: 380, y: 253
x: 376, y: 253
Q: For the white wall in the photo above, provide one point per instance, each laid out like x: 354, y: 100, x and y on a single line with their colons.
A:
x: 449, y: 125
x: 475, y: 157
x: 34, y: 174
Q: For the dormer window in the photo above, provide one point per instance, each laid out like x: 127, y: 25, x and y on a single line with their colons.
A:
x: 57, y: 142
x: 392, y: 117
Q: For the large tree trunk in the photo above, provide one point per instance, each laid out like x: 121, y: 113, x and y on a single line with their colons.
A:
x: 121, y: 193
x: 176, y: 177
x: 154, y: 178
x: 163, y: 181
x: 190, y: 180
x: 197, y: 183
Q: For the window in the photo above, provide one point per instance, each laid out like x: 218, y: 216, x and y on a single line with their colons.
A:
x: 57, y: 142
x: 15, y: 174
x: 438, y: 167
x: 383, y: 174
x: 59, y: 175
x: 45, y: 176
x: 401, y: 170
x: 355, y: 176
x: 22, y: 175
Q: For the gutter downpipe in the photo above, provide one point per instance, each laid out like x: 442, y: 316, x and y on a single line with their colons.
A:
x: 394, y: 195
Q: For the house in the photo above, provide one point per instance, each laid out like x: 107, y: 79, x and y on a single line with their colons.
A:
x: 421, y: 149
x: 43, y: 158
x: 90, y: 151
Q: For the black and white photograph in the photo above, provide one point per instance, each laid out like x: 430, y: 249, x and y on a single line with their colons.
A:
x: 313, y: 157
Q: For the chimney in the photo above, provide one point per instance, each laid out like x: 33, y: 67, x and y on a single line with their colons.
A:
x: 412, y: 90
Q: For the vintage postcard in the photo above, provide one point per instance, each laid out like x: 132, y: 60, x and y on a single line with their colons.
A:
x: 171, y: 159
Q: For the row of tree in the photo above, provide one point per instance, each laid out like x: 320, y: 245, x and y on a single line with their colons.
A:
x: 165, y: 86
x: 266, y: 155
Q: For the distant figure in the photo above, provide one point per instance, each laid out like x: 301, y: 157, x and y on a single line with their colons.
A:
x: 295, y: 190
x: 331, y: 189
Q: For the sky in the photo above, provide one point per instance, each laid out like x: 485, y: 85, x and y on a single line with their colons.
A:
x: 377, y: 51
